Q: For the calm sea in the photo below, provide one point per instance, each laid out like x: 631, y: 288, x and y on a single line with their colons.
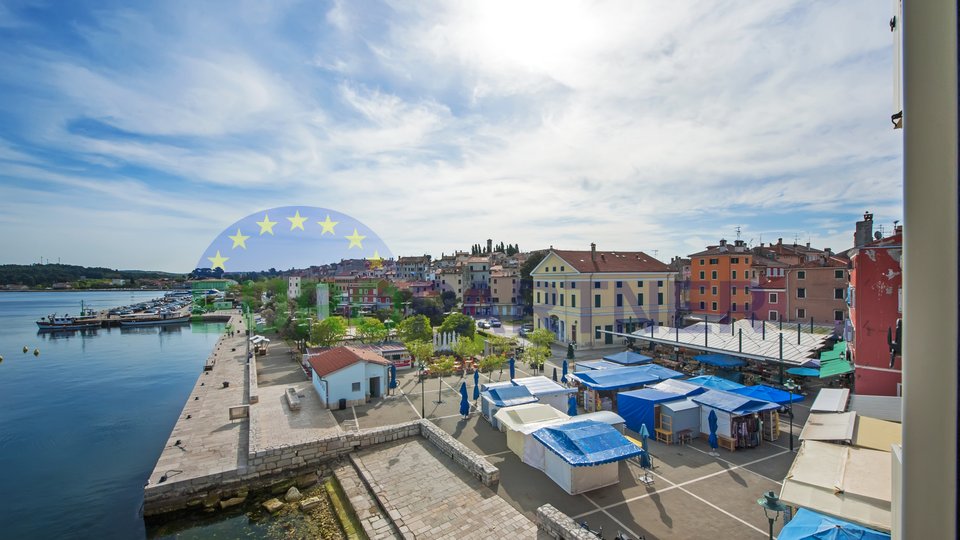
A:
x: 83, y: 423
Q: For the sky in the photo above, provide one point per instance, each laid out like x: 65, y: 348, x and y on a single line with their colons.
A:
x: 132, y: 135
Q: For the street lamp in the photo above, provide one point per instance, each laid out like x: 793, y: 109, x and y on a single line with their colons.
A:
x: 420, y: 366
x: 771, y: 504
x: 791, y: 386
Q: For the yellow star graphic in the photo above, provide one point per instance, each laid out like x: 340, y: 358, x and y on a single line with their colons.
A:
x: 296, y: 222
x: 239, y: 240
x: 355, y: 239
x: 266, y: 225
x: 376, y: 261
x: 218, y: 261
x: 327, y: 226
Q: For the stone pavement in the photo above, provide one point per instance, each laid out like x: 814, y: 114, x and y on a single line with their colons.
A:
x: 374, y: 523
x: 273, y: 424
x: 430, y: 496
x: 209, y: 442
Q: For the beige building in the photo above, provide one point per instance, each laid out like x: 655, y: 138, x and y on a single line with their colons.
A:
x: 580, y: 294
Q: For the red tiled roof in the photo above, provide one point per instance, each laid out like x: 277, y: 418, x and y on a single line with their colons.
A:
x: 772, y: 283
x: 612, y: 261
x: 332, y: 360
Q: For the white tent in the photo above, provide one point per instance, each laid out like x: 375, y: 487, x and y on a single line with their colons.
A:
x: 547, y: 391
x: 843, y: 481
x: 520, y: 422
x: 831, y: 400
x: 829, y: 427
x: 584, y: 455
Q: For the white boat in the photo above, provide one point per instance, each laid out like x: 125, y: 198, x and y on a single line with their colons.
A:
x: 164, y: 318
x: 52, y: 322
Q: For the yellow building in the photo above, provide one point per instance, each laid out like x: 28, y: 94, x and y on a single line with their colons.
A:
x: 579, y: 294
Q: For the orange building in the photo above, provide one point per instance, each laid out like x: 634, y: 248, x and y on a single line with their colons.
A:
x: 720, y: 282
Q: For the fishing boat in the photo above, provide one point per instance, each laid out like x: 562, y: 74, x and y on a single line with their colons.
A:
x: 160, y: 318
x: 66, y: 322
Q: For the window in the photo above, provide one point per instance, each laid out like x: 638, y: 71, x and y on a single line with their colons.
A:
x: 563, y: 269
x: 640, y: 298
x: 801, y: 274
x: 573, y: 301
x: 746, y: 260
x: 538, y: 297
x: 801, y: 293
x: 801, y: 313
x: 619, y: 284
x: 746, y: 306
x: 619, y: 300
x: 702, y: 275
x: 639, y: 284
x: 772, y: 315
x: 713, y: 306
x: 494, y: 281
x: 561, y: 299
x: 702, y: 305
x: 713, y: 291
x: 714, y: 261
x: 659, y: 298
x: 733, y: 291
x: 734, y: 260
x: 659, y: 283
x: 703, y: 290
x: 701, y: 261
x: 734, y: 275
x: 553, y: 299
x: 851, y: 296
x: 838, y: 315
x: 838, y: 274
x: 754, y: 272
x: 713, y: 275
x: 561, y: 284
x: 355, y: 387
x: 838, y: 294
x: 596, y: 284
x: 773, y: 300
x: 573, y: 285
x: 538, y: 284
x: 554, y: 268
x: 596, y: 332
x: 746, y: 290
x: 596, y: 300
x: 553, y: 284
x: 733, y: 306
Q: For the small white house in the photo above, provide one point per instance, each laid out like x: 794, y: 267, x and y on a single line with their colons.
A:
x: 346, y: 376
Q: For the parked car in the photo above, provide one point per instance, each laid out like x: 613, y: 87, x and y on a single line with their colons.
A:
x: 495, y: 323
x: 482, y: 324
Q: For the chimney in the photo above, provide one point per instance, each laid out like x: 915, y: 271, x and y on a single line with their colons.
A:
x: 808, y: 245
x: 779, y: 241
x: 864, y: 231
x: 723, y: 242
x: 593, y: 251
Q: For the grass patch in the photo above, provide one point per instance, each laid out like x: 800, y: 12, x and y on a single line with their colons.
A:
x: 344, y: 511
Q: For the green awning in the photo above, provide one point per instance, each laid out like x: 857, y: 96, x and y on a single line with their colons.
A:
x: 833, y: 367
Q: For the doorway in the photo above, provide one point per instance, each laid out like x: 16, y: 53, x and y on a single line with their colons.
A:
x: 374, y: 387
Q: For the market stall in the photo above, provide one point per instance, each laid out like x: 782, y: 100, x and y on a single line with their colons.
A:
x: 738, y: 418
x: 642, y: 407
x: 494, y: 399
x: 628, y: 358
x: 679, y: 420
x: 547, y: 391
x: 583, y: 456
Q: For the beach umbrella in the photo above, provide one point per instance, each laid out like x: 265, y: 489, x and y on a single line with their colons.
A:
x: 464, y: 402
x: 572, y: 405
x: 476, y: 384
x: 712, y: 422
x: 513, y: 372
x: 645, y: 456
x: 554, y: 374
x: 563, y: 379
x: 393, y: 376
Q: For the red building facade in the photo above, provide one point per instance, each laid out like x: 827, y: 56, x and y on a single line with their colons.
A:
x: 875, y: 303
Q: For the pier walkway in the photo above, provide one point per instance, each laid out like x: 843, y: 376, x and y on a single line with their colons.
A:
x: 204, y: 440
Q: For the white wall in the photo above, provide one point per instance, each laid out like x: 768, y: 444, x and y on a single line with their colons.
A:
x: 341, y: 383
x: 723, y: 421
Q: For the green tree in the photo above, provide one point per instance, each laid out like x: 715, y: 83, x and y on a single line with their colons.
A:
x: 501, y: 345
x: 570, y: 354
x: 421, y: 351
x: 459, y: 323
x: 328, y: 332
x: 449, y: 299
x: 491, y: 362
x: 442, y: 365
x: 526, y: 281
x: 542, y: 337
x: 466, y: 347
x: 536, y: 356
x: 430, y: 307
x: 370, y: 329
x: 416, y: 327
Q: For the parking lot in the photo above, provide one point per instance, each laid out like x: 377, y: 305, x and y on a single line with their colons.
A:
x: 693, y: 494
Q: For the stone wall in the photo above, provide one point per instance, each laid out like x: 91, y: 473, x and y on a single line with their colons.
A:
x: 558, y: 525
x: 468, y: 459
x: 252, y: 387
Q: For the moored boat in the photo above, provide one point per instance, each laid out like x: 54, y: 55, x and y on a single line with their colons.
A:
x: 162, y: 318
x: 52, y: 322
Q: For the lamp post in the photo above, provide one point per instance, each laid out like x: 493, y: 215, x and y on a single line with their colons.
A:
x: 790, y: 386
x: 771, y: 504
x: 420, y: 367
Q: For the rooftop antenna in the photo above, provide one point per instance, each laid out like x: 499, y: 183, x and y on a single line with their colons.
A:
x: 738, y: 232
x: 655, y: 253
x: 796, y: 239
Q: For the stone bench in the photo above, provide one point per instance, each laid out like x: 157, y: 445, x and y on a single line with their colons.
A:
x: 293, y: 400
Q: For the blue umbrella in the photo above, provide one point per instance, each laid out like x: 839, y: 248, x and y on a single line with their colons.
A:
x: 572, y: 405
x: 476, y: 384
x: 393, y: 376
x: 464, y: 403
x: 645, y: 456
x: 712, y: 422
x: 554, y: 374
x: 564, y: 378
x: 512, y: 369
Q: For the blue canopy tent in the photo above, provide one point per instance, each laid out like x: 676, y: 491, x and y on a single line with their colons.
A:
x: 804, y: 372
x: 615, y: 379
x: 638, y: 407
x: 588, y: 365
x: 584, y: 455
x: 714, y: 383
x: 719, y: 360
x: 729, y: 409
x: 810, y: 525
x: 661, y: 372
x: 733, y: 403
x: 495, y: 399
x: 628, y: 358
x: 769, y: 393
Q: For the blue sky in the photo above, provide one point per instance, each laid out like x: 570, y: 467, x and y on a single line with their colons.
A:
x: 133, y: 134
